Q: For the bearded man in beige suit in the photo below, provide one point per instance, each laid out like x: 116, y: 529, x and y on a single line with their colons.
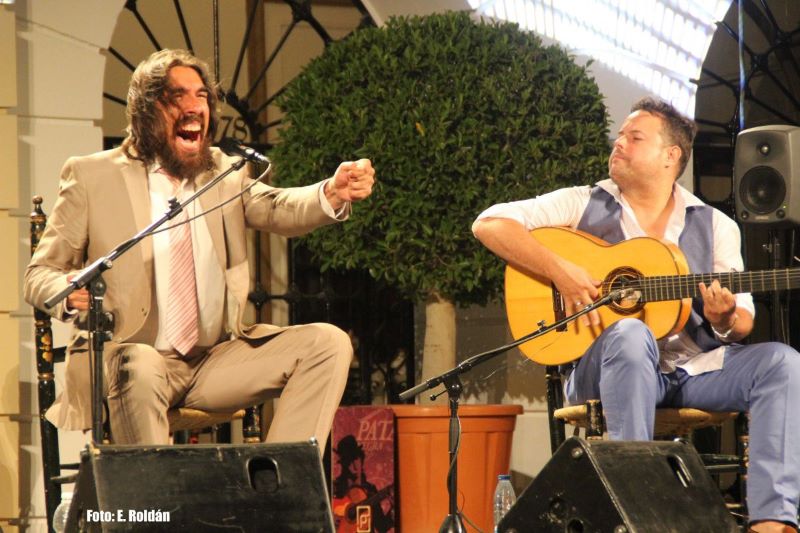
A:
x: 174, y: 346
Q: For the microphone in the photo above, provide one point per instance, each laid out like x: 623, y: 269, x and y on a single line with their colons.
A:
x: 630, y: 294
x: 233, y: 147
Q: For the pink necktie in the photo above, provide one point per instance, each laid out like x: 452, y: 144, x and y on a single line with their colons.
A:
x: 182, y: 306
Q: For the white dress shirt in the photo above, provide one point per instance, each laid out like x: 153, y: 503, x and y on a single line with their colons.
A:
x: 211, y: 291
x: 565, y: 207
x: 210, y: 275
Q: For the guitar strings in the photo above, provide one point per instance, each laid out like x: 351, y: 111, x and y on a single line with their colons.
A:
x: 761, y: 277
x: 674, y: 287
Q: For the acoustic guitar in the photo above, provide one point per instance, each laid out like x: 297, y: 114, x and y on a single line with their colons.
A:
x: 656, y: 272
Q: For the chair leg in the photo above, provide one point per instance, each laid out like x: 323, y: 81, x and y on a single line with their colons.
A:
x: 743, y: 451
x: 594, y: 420
x: 180, y: 437
x: 251, y: 425
x: 51, y: 467
x: 221, y: 433
x: 46, y: 393
x: 555, y: 400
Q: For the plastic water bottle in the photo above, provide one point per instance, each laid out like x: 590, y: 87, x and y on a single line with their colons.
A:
x: 504, y: 498
x: 60, y: 515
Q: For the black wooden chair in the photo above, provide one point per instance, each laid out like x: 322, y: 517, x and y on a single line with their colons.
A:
x: 181, y: 420
x: 670, y: 423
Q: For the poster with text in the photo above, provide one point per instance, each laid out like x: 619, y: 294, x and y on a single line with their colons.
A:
x: 362, y: 460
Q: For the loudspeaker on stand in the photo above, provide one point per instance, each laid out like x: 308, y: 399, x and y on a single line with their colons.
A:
x: 766, y: 174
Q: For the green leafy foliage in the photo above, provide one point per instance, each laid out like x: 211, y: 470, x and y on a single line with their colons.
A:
x: 456, y: 115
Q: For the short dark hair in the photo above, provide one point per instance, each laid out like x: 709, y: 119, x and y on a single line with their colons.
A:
x: 147, y: 88
x: 678, y: 129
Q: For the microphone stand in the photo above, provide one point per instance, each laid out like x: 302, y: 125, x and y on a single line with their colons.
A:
x: 100, y: 323
x: 453, y: 522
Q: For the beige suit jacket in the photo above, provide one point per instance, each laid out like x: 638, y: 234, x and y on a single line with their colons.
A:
x: 104, y: 199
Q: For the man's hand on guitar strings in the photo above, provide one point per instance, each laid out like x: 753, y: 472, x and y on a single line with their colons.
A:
x: 719, y: 305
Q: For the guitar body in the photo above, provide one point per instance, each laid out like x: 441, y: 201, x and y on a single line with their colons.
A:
x: 531, y: 299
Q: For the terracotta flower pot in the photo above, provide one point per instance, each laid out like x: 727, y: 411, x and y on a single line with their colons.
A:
x: 422, y: 452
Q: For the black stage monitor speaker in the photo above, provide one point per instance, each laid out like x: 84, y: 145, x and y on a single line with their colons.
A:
x: 621, y: 487
x: 243, y: 488
x: 766, y: 174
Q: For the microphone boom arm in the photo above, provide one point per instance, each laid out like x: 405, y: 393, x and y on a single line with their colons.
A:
x: 106, y: 262
x: 453, y: 522
x: 480, y: 358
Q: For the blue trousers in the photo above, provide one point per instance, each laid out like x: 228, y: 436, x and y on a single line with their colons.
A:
x: 621, y: 369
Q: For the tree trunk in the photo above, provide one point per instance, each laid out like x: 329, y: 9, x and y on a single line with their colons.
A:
x: 439, y: 350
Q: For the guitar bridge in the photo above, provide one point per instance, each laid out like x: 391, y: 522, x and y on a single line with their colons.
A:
x: 559, y: 312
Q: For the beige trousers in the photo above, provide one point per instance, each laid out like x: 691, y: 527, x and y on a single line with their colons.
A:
x: 307, y: 365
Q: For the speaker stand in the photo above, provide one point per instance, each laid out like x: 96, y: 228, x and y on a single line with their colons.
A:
x: 779, y: 318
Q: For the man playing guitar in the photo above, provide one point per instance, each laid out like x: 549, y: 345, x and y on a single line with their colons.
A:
x: 700, y: 366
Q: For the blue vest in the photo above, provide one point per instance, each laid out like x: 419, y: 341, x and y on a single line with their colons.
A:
x: 602, y: 219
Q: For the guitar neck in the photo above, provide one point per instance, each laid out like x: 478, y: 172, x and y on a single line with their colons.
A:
x: 661, y: 288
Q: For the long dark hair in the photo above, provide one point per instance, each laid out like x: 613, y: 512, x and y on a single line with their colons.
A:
x: 148, y: 85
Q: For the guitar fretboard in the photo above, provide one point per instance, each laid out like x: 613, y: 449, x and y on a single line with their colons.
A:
x: 660, y: 288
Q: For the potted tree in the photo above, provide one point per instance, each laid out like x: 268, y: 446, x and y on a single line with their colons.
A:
x: 456, y: 115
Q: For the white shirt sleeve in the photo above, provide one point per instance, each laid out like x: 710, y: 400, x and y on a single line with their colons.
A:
x: 728, y: 255
x: 563, y: 207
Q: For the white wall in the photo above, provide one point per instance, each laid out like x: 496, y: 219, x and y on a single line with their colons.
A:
x: 60, y: 68
x: 9, y: 323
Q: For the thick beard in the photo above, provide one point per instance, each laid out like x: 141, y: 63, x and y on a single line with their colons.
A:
x: 185, y: 168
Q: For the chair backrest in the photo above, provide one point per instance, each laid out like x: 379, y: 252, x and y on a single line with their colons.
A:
x: 555, y: 400
x: 46, y: 357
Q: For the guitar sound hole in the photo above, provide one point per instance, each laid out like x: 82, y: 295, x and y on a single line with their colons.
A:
x: 625, y: 278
